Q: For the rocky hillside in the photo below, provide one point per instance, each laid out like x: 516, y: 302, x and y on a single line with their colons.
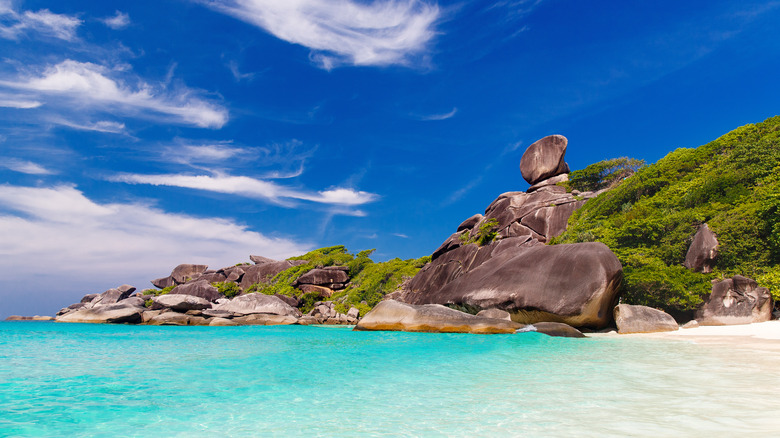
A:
x: 723, y: 197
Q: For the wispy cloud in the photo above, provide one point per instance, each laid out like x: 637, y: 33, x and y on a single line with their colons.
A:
x: 120, y: 20
x: 402, y: 236
x: 237, y: 75
x: 40, y: 224
x: 384, y: 32
x: 22, y: 166
x: 442, y: 116
x: 100, y: 126
x: 14, y: 23
x: 252, y: 188
x: 97, y: 86
x: 19, y: 103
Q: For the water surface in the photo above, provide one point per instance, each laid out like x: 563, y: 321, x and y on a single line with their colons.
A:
x: 116, y: 380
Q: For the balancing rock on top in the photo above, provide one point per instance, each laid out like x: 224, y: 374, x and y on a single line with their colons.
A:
x: 544, y: 159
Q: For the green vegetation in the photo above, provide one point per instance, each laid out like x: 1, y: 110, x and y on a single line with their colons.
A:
x: 227, y: 288
x: 157, y: 292
x: 603, y: 174
x: 649, y: 220
x: 486, y: 233
x: 369, y: 281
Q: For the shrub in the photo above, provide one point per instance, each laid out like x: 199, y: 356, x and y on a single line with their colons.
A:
x: 227, y: 288
x: 603, y: 174
x: 157, y: 292
x: 486, y: 233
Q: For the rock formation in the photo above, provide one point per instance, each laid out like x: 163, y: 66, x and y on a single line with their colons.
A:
x: 703, y: 251
x: 736, y: 300
x: 642, y: 319
x: 515, y: 272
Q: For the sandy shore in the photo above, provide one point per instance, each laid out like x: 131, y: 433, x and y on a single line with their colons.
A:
x: 764, y: 335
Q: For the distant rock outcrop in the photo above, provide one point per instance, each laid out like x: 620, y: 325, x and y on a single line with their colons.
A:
x: 736, y: 300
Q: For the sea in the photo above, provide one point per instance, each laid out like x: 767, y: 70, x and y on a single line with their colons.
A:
x: 93, y: 380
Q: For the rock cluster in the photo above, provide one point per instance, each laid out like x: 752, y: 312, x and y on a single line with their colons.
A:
x: 576, y: 284
x: 193, y: 299
x: 703, y: 251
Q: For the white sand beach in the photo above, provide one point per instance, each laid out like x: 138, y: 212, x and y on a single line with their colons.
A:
x: 763, y: 335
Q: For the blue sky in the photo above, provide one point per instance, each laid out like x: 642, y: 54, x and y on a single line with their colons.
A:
x: 135, y: 136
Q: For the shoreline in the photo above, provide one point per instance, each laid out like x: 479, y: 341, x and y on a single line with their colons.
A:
x: 760, y: 335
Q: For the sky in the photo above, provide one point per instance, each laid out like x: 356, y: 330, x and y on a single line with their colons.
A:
x: 135, y: 136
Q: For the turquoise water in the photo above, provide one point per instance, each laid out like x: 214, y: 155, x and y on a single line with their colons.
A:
x: 113, y: 380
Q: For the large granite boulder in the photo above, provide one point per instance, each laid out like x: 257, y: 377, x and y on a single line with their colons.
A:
x: 264, y: 272
x: 182, y: 302
x: 111, y: 313
x: 544, y: 159
x: 642, y: 319
x: 259, y: 260
x: 736, y: 300
x: 162, y: 283
x: 265, y: 319
x: 395, y: 316
x: 258, y: 303
x: 186, y: 272
x: 576, y: 284
x: 202, y: 289
x: 88, y: 298
x: 321, y: 277
x: 703, y: 251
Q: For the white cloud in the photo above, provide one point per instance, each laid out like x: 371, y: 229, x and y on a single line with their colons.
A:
x: 203, y: 153
x: 84, y: 83
x: 57, y: 240
x: 252, y: 188
x: 443, y: 116
x: 402, y: 236
x: 44, y: 22
x: 19, y: 103
x: 100, y: 126
x: 338, y: 32
x: 120, y: 20
x: 22, y: 166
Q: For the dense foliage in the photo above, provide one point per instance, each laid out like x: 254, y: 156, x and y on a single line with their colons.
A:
x: 369, y: 283
x: 603, y: 174
x: 649, y: 220
x: 486, y: 233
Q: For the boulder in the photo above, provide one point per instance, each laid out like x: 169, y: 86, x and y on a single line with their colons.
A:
x: 452, y: 242
x: 126, y: 288
x: 265, y: 319
x: 221, y: 322
x: 88, y: 298
x: 213, y: 277
x: 170, y: 318
x: 198, y: 320
x: 187, y: 272
x: 111, y: 313
x: 322, y: 291
x: 211, y: 313
x: 198, y: 288
x: 395, y: 316
x: 691, y: 324
x: 258, y: 303
x: 233, y: 273
x: 264, y: 272
x: 259, y: 260
x: 111, y: 296
x: 736, y: 300
x: 470, y: 222
x: 353, y: 314
x: 162, y: 283
x: 576, y: 283
x: 147, y: 315
x: 30, y: 318
x: 134, y: 301
x: 555, y: 329
x: 544, y: 159
x: 495, y: 314
x: 703, y: 251
x: 323, y: 277
x: 291, y: 301
x: 642, y: 319
x: 71, y: 308
x: 550, y: 222
x: 549, y: 182
x: 182, y: 302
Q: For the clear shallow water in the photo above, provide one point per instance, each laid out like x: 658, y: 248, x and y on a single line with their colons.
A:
x: 113, y: 380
